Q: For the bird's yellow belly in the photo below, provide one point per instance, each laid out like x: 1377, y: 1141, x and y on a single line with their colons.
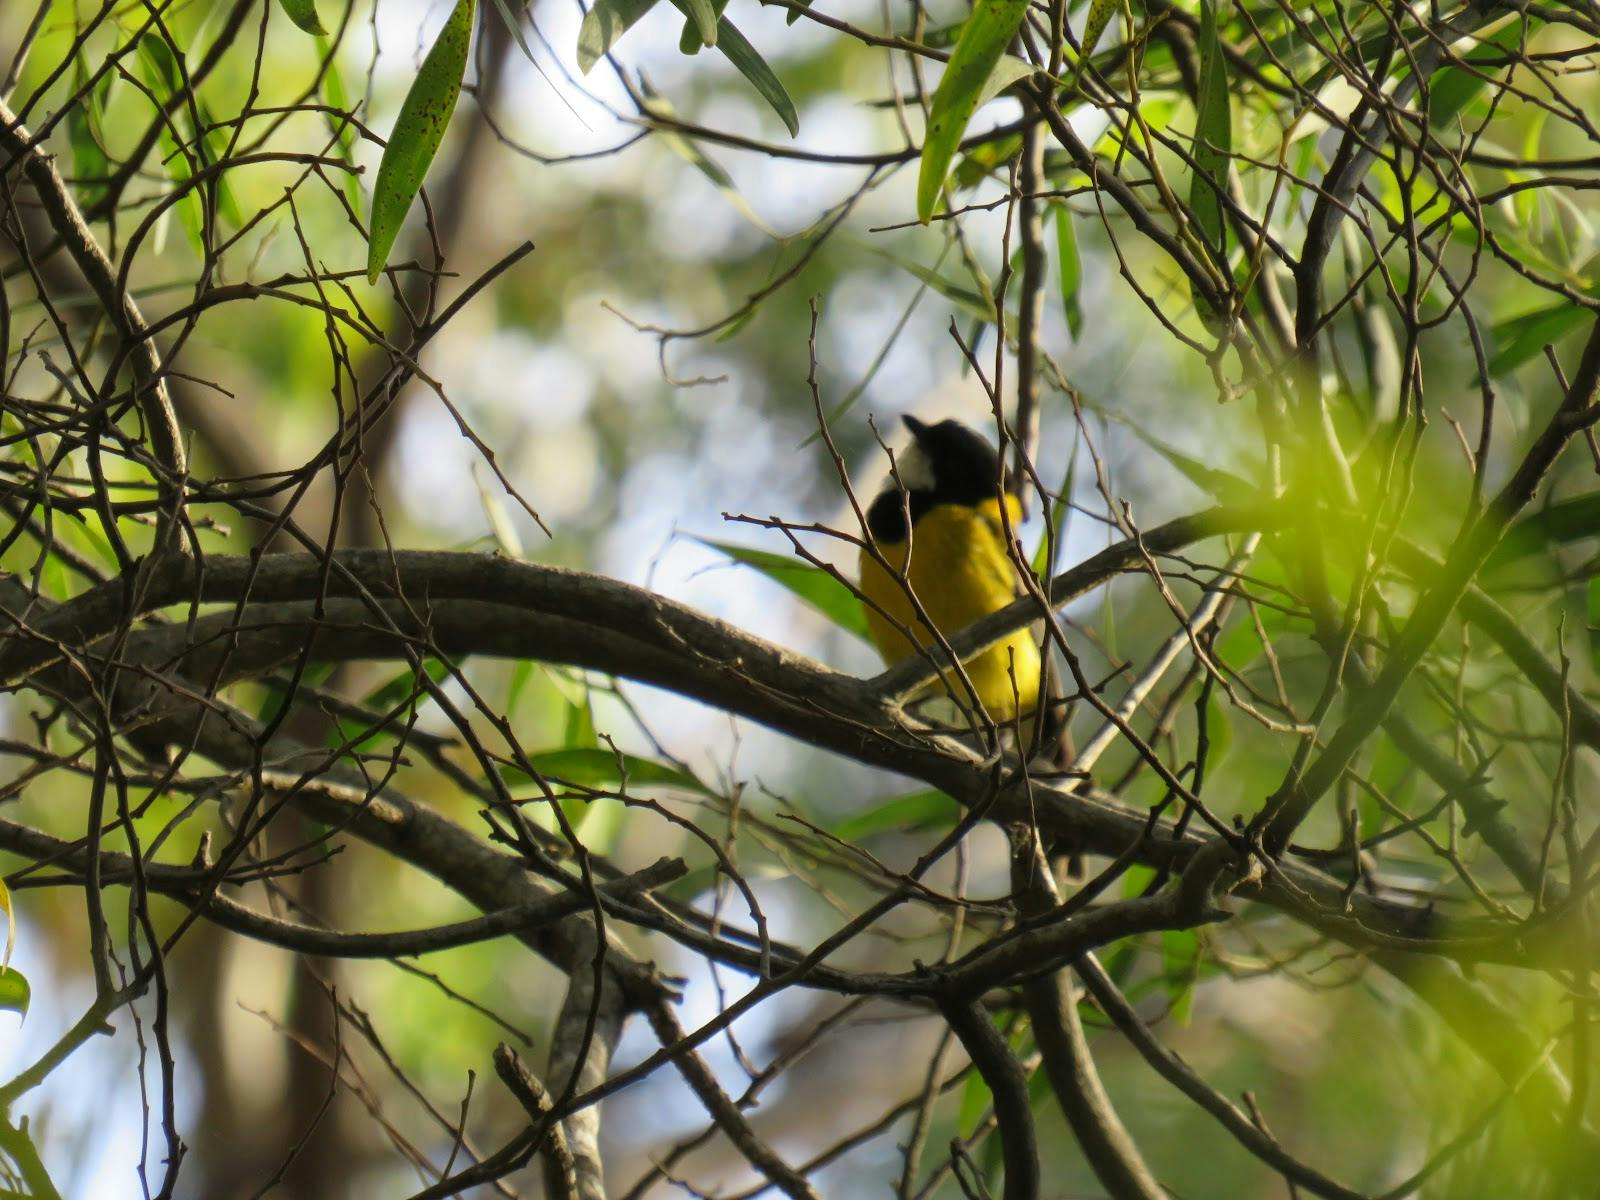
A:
x: 959, y: 571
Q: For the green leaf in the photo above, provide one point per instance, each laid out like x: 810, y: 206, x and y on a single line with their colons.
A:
x: 1071, y: 269
x: 659, y: 106
x: 402, y: 687
x: 85, y: 120
x: 417, y: 132
x: 1100, y: 13
x: 977, y: 163
x: 973, y: 302
x: 976, y: 1099
x: 1213, y: 136
x: 1180, y: 968
x: 1452, y: 88
x: 737, y: 50
x: 703, y: 16
x: 927, y: 808
x: 983, y: 41
x: 336, y: 97
x: 304, y: 14
x: 603, y: 24
x: 14, y: 991
x: 812, y: 584
x: 1520, y: 338
x: 599, y: 768
x: 1594, y: 656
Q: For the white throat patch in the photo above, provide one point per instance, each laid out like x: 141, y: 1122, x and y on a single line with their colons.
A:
x: 916, y: 469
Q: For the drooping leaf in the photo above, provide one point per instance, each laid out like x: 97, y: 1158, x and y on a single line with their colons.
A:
x: 84, y: 127
x: 926, y: 808
x: 983, y: 41
x: 1071, y: 269
x: 11, y: 926
x: 603, y: 24
x: 971, y: 301
x: 812, y: 584
x: 338, y: 98
x: 304, y: 14
x: 417, y: 132
x: 703, y: 16
x: 1213, y: 136
x: 1100, y: 14
x: 15, y: 993
x: 737, y: 50
x: 659, y: 106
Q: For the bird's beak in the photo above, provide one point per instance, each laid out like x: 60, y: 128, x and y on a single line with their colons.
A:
x: 918, y: 428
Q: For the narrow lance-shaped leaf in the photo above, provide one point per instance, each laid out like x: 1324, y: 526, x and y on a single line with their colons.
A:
x: 983, y: 40
x: 417, y: 133
x: 603, y: 24
x: 304, y: 14
x: 816, y: 587
x: 1100, y: 13
x: 1213, y: 135
x: 1071, y: 268
x: 737, y: 50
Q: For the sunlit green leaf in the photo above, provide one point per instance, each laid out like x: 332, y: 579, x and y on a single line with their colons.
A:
x: 84, y: 128
x: 334, y: 93
x: 304, y: 14
x: 926, y: 808
x: 1521, y: 338
x: 603, y: 24
x: 417, y: 132
x: 983, y: 159
x: 11, y: 925
x: 983, y: 41
x: 812, y: 584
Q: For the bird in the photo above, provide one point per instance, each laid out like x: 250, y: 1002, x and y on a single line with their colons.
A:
x: 956, y: 563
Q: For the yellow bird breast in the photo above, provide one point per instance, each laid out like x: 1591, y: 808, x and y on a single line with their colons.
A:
x: 958, y: 569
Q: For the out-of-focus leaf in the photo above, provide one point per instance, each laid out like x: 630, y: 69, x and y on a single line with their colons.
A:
x: 1100, y: 13
x: 977, y: 163
x: 971, y: 301
x: 1452, y: 88
x: 505, y: 533
x: 927, y: 808
x: 812, y: 584
x: 84, y: 126
x: 660, y: 106
x: 1071, y: 269
x: 983, y: 41
x: 1060, y: 516
x: 599, y: 768
x: 1180, y: 968
x: 1594, y: 645
x: 399, y: 689
x: 607, y: 21
x: 976, y: 1099
x: 1213, y: 136
x: 304, y: 14
x: 580, y: 732
x: 1520, y: 338
x: 15, y: 993
x: 337, y: 97
x: 794, y: 13
x: 1565, y: 521
x: 11, y: 926
x: 424, y: 116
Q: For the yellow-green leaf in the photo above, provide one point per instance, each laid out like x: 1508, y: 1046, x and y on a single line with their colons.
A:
x: 417, y: 132
x: 816, y: 587
x: 1100, y: 13
x: 1071, y: 269
x: 14, y: 991
x: 984, y: 39
x: 11, y: 926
